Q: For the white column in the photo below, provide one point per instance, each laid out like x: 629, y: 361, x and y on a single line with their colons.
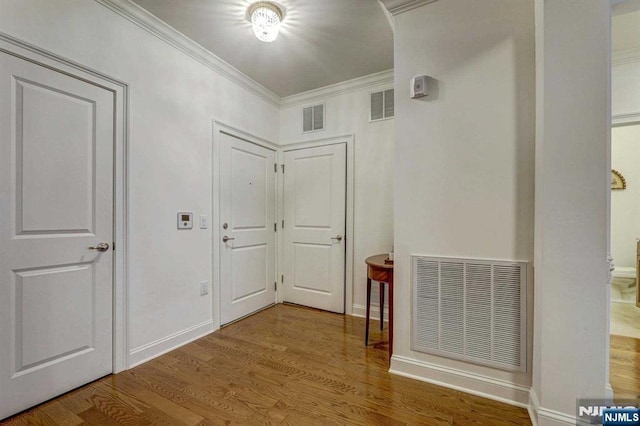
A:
x: 571, y: 213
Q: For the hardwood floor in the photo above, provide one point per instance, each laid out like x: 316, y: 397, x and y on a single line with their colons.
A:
x: 286, y: 365
x: 624, y: 367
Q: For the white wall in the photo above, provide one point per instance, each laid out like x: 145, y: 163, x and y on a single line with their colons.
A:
x: 625, y: 205
x: 572, y: 190
x: 348, y: 113
x: 173, y: 99
x: 464, y: 158
x: 625, y: 82
x: 625, y: 75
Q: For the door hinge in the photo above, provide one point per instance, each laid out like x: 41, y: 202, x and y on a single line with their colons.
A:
x: 275, y: 227
x: 282, y: 223
x: 282, y: 165
x: 113, y: 246
x: 282, y: 279
x: 275, y: 167
x: 275, y: 286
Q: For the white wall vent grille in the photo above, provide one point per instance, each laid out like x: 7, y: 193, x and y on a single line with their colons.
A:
x: 471, y: 310
x: 382, y: 105
x: 313, y: 118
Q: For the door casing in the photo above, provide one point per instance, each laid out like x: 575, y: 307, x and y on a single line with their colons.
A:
x: 26, y: 51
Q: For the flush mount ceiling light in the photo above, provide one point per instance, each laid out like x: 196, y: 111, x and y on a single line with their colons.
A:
x: 265, y: 19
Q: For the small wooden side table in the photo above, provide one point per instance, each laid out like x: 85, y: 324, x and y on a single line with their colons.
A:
x: 378, y: 270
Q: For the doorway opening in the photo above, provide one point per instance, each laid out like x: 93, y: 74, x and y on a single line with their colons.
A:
x: 625, y: 201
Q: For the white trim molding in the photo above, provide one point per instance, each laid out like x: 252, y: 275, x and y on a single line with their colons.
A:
x: 546, y: 417
x: 374, y: 312
x: 396, y: 7
x: 464, y: 381
x: 608, y: 391
x: 166, y: 344
x: 145, y: 20
x: 534, y: 407
x: 621, y: 119
x: 349, y: 86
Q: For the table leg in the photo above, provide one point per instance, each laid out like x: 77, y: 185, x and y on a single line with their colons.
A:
x: 366, y: 333
x: 381, y: 305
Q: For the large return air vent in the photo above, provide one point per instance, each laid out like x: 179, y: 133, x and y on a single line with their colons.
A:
x: 313, y: 118
x: 382, y: 105
x: 471, y: 310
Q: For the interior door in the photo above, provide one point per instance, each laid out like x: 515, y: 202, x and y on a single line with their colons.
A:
x: 314, y: 230
x: 56, y: 201
x: 247, y: 214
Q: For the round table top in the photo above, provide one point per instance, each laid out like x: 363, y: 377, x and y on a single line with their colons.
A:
x: 377, y: 261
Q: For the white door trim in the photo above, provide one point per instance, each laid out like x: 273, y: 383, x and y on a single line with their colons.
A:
x: 216, y: 235
x: 349, y: 141
x: 34, y: 54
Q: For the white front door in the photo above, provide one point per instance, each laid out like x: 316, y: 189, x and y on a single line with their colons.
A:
x: 56, y: 201
x: 314, y: 227
x: 247, y: 216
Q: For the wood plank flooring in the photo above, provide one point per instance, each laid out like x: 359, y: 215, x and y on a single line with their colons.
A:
x: 624, y: 367
x: 286, y: 365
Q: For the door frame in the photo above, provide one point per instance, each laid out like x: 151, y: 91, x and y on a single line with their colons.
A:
x: 28, y: 52
x: 216, y: 234
x: 349, y: 213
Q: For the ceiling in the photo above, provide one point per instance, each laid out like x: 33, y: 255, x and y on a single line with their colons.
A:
x: 321, y: 42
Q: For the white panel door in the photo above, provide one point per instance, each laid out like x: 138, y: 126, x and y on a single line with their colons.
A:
x: 56, y: 201
x: 247, y: 216
x: 314, y: 231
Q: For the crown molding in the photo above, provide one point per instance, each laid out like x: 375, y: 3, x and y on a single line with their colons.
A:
x: 175, y: 38
x: 628, y: 118
x: 623, y: 57
x: 344, y: 87
x: 396, y: 7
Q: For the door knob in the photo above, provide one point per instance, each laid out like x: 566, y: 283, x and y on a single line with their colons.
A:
x: 337, y: 237
x: 100, y: 247
x: 225, y: 239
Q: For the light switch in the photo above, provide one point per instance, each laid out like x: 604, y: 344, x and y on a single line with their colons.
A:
x: 185, y: 220
x: 204, y: 222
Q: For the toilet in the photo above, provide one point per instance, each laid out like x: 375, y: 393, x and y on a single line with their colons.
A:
x: 623, y: 285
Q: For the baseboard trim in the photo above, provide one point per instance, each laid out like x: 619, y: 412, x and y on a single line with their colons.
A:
x: 361, y: 311
x: 159, y: 347
x: 555, y: 418
x: 534, y: 407
x: 608, y: 391
x: 546, y: 417
x: 475, y: 384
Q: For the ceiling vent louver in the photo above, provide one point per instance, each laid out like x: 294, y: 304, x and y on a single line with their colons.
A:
x: 313, y: 118
x: 471, y: 310
x: 382, y: 105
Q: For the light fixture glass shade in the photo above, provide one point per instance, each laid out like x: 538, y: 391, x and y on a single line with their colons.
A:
x: 265, y: 19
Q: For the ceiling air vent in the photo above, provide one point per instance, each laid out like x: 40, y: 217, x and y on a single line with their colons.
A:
x: 382, y: 106
x: 313, y: 118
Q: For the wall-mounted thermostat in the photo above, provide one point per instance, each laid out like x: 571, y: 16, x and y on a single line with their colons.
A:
x: 185, y: 220
x: 419, y: 87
